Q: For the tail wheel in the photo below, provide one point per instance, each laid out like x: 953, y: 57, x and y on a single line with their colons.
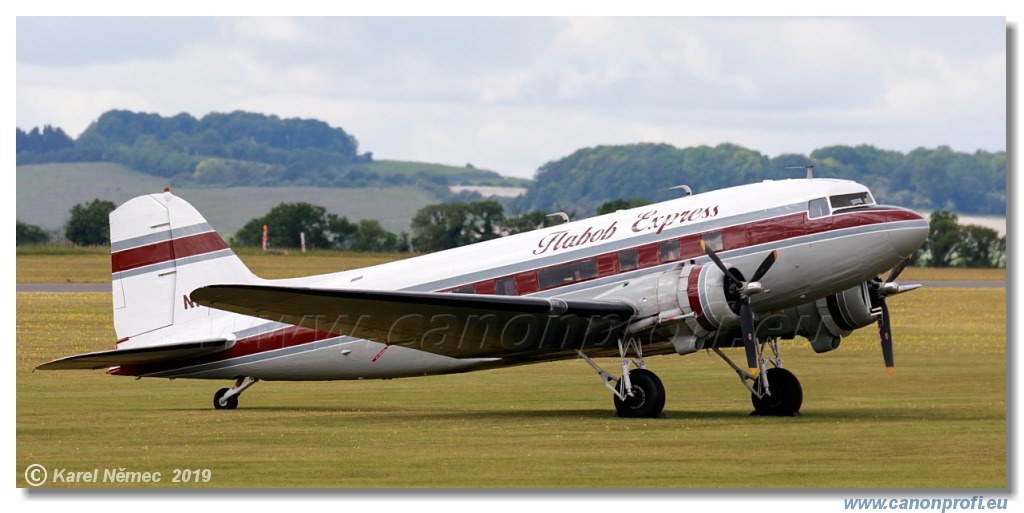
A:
x: 229, y: 404
x: 648, y: 398
x: 786, y: 394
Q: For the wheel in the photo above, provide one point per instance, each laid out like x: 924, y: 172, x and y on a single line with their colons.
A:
x: 648, y: 396
x: 786, y: 395
x: 232, y: 402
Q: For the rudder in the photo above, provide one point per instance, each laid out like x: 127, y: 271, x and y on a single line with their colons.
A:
x: 161, y: 250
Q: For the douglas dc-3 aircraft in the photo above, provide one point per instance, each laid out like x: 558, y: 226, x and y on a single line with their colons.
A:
x: 738, y: 267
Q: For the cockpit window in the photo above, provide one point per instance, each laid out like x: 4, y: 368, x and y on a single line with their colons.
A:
x: 856, y: 199
x: 817, y: 208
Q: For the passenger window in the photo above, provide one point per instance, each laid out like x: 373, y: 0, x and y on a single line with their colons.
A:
x: 713, y: 240
x: 566, y: 273
x: 465, y: 289
x: 817, y: 208
x: 628, y: 260
x: 669, y: 251
x: 505, y: 287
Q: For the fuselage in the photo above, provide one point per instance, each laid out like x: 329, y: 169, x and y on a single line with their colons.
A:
x: 829, y: 234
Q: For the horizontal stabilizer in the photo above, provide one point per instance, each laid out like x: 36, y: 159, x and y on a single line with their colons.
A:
x: 141, y: 355
x: 456, y: 325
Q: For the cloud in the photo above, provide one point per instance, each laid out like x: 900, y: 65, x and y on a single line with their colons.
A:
x: 512, y: 93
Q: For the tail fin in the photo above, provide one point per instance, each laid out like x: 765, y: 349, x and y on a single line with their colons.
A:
x: 161, y: 250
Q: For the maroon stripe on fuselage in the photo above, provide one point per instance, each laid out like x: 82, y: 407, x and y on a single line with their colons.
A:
x: 164, y: 251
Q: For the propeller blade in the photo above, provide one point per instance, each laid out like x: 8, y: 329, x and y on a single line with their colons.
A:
x: 718, y: 261
x: 885, y: 337
x: 749, y: 339
x: 897, y: 270
x: 768, y: 262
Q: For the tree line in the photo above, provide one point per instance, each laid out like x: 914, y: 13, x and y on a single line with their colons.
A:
x: 244, y: 148
x: 237, y: 148
x: 923, y: 179
x: 449, y: 225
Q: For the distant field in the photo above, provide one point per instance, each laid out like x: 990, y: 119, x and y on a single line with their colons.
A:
x: 92, y: 265
x: 457, y: 175
x: 939, y: 423
x: 47, y: 192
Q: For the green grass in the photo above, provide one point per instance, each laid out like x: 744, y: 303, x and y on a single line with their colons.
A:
x: 940, y: 422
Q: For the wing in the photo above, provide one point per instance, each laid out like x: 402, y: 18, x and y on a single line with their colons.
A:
x: 138, y: 356
x: 456, y: 325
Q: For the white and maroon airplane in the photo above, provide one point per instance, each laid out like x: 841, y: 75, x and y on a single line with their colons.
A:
x: 738, y: 267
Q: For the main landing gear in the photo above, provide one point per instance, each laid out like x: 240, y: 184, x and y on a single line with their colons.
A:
x: 227, y: 398
x: 774, y: 391
x: 638, y: 392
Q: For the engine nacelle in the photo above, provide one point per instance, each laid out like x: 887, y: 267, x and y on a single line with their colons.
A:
x: 825, y: 321
x: 684, y: 304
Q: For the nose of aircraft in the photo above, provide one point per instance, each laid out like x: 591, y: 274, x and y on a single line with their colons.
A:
x: 907, y: 236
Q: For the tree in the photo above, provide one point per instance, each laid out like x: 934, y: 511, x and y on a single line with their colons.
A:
x: 90, y: 223
x: 30, y: 234
x: 287, y: 221
x: 48, y: 140
x: 438, y: 227
x: 943, y: 235
x: 451, y: 225
x: 533, y: 220
x: 373, y: 237
x: 980, y: 247
x: 620, y: 204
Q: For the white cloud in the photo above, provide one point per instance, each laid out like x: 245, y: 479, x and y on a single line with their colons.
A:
x: 512, y: 94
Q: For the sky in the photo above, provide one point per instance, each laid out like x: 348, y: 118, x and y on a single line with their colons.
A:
x: 512, y: 93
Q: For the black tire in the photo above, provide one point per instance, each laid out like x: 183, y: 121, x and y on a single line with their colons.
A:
x: 232, y: 402
x: 786, y: 395
x: 648, y: 399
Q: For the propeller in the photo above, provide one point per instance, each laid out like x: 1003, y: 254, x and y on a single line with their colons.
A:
x: 746, y: 289
x: 883, y: 289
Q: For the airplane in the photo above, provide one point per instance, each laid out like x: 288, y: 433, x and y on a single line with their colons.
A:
x: 745, y: 266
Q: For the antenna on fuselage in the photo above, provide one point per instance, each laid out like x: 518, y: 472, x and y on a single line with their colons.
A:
x: 809, y: 168
x: 561, y: 215
x: 685, y: 188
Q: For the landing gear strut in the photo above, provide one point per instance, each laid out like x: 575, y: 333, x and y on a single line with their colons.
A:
x: 774, y: 391
x: 227, y: 398
x: 638, y: 392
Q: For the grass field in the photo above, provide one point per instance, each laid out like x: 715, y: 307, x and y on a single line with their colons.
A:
x: 940, y: 422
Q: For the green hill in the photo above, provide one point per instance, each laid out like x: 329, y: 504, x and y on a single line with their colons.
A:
x: 46, y: 192
x: 923, y: 179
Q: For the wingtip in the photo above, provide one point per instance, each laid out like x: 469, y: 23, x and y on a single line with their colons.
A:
x: 890, y: 370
